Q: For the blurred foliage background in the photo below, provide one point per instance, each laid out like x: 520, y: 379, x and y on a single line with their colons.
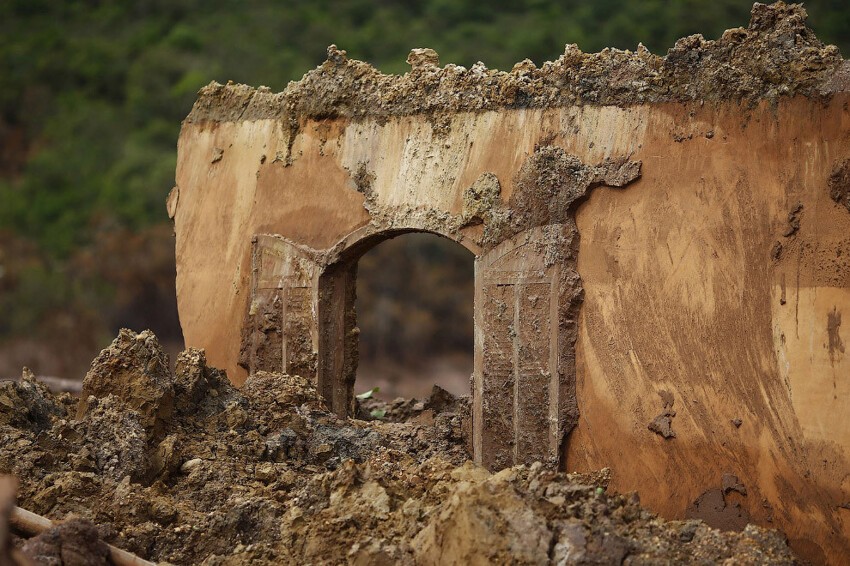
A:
x: 92, y: 97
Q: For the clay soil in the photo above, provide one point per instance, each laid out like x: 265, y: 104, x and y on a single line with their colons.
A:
x: 180, y: 467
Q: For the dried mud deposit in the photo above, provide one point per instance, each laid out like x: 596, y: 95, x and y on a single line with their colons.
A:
x: 182, y: 467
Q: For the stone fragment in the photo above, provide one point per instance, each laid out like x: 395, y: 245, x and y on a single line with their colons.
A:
x: 135, y: 370
x: 190, y: 465
x: 482, y: 525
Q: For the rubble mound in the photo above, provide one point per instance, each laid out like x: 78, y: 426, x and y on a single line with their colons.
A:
x: 265, y: 474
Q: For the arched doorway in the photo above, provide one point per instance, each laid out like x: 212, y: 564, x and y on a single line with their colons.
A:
x: 415, y: 317
x: 338, y: 330
x: 302, y: 319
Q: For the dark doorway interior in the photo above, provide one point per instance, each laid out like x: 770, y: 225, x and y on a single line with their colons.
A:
x: 414, y: 311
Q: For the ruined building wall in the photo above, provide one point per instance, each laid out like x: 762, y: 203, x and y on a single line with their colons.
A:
x: 702, y: 233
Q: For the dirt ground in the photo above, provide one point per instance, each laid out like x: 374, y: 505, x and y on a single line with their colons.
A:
x: 396, y: 379
x: 180, y: 467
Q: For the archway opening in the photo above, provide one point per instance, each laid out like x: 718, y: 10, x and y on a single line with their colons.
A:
x: 414, y: 312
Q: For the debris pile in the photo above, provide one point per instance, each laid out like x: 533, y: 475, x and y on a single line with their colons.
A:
x: 179, y: 466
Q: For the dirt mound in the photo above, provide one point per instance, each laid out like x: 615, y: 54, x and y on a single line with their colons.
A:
x: 266, y: 474
x: 134, y: 369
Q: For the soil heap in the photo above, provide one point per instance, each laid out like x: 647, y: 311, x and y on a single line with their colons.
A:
x: 181, y: 467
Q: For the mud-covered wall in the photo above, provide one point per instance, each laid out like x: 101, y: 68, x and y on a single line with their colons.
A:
x: 709, y: 191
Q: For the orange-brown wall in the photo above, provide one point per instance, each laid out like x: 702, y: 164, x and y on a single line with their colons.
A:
x: 684, y: 292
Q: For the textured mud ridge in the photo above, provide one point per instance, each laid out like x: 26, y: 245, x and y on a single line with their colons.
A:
x: 182, y: 467
x: 776, y: 55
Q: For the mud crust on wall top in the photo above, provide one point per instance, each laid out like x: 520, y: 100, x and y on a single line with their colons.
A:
x: 776, y: 55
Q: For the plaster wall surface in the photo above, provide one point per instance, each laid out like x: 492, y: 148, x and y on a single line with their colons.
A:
x: 714, y: 282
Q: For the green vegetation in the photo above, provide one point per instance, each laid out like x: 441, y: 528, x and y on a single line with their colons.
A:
x: 94, y: 92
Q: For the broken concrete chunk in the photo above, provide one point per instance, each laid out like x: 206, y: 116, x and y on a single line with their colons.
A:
x: 135, y: 370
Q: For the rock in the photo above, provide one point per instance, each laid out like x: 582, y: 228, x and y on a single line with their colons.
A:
x: 190, y: 465
x: 441, y: 401
x: 570, y: 545
x: 265, y: 472
x: 135, y: 370
x: 74, y: 542
x: 482, y: 525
